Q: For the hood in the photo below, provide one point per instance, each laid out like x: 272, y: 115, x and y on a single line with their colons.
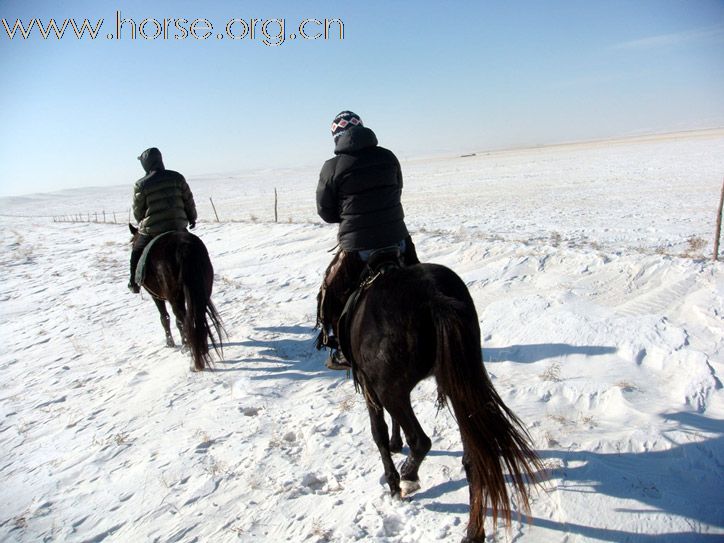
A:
x: 151, y: 160
x: 353, y: 139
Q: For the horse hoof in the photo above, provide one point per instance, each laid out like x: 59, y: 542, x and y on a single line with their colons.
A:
x: 408, y: 487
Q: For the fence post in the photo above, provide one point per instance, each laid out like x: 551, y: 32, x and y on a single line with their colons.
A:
x: 717, y: 234
x: 214, y: 208
x: 276, y: 217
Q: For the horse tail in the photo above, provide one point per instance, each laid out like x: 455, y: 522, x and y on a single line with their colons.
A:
x: 492, y: 435
x: 202, y: 323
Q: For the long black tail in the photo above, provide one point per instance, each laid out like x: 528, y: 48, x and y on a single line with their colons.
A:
x: 492, y: 435
x: 202, y: 323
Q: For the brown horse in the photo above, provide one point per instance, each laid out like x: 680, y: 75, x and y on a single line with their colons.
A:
x: 418, y: 321
x: 179, y: 271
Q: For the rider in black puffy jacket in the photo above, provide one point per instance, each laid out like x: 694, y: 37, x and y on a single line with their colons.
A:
x: 359, y: 188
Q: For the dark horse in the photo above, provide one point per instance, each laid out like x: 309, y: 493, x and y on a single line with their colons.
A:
x: 179, y: 271
x: 414, y: 322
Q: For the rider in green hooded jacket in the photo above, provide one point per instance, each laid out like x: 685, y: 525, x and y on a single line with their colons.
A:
x: 162, y: 201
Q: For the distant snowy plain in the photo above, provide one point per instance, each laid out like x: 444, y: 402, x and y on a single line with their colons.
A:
x: 603, y: 329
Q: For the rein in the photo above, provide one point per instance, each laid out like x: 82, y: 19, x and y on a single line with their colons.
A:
x: 153, y: 294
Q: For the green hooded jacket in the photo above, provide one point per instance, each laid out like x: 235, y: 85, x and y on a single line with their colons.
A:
x: 162, y: 199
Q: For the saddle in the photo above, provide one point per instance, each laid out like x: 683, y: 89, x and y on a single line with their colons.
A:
x: 141, y: 267
x: 380, y: 262
x: 383, y: 260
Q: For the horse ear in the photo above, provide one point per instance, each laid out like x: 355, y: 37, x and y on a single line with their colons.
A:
x: 133, y: 229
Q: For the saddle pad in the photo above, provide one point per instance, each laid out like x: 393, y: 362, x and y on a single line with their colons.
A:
x: 141, y: 268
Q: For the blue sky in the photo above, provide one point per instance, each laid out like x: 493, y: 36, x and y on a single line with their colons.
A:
x: 428, y: 77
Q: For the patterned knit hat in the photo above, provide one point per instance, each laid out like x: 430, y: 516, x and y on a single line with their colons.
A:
x: 344, y: 121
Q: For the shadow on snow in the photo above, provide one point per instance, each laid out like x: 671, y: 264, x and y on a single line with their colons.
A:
x: 684, y: 481
x: 525, y: 354
x: 279, y: 356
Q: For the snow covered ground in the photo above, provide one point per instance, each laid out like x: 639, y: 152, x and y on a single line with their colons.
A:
x: 603, y: 324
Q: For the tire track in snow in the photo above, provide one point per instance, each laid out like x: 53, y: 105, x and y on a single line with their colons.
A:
x: 658, y: 300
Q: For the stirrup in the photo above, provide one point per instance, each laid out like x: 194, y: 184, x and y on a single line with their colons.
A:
x: 337, y: 361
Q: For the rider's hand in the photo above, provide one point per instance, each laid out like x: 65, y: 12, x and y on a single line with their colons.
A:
x: 192, y: 225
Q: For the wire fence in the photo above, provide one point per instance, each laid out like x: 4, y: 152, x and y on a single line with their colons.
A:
x: 229, y: 211
x: 91, y: 217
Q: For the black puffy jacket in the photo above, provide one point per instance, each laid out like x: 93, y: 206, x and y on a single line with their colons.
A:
x: 162, y: 200
x: 360, y: 188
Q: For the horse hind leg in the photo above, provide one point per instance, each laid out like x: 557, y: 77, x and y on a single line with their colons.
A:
x: 395, y: 438
x: 475, y: 531
x: 165, y: 321
x: 382, y: 440
x: 179, y: 310
x: 417, y: 440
